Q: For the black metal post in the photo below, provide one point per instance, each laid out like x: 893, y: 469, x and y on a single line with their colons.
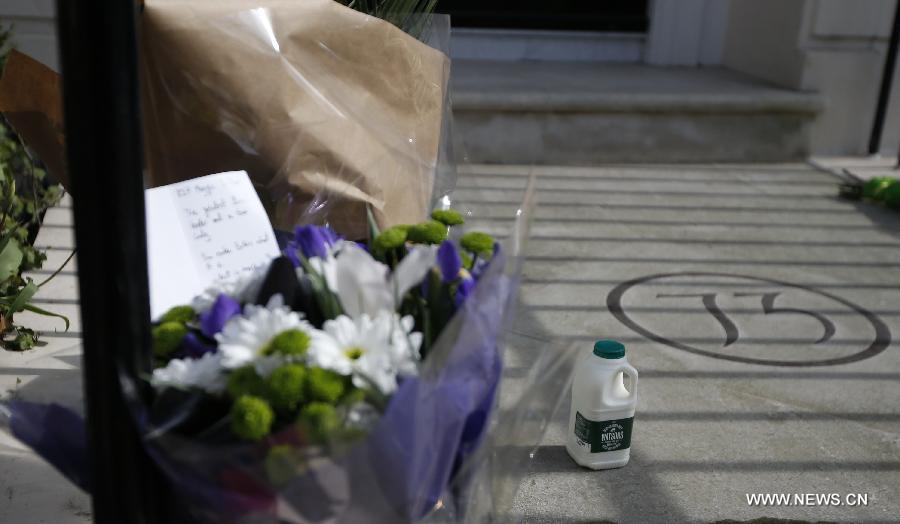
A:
x: 103, y: 133
x: 887, y: 79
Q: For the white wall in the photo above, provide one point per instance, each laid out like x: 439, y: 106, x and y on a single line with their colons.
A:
x: 34, y: 28
x: 834, y: 47
x: 686, y: 32
x: 845, y: 43
x: 761, y: 40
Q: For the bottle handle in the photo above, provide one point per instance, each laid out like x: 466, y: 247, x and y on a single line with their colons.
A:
x: 628, y: 370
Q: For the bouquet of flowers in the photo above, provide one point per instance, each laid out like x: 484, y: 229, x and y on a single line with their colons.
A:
x: 880, y: 189
x: 298, y: 364
x: 322, y: 339
x: 344, y: 382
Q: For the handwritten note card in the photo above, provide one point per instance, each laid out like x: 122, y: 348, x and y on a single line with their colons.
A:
x: 203, y: 230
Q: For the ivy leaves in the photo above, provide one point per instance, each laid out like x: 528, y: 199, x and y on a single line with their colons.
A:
x: 25, y: 194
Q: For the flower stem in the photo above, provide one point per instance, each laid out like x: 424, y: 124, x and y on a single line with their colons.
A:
x: 60, y: 268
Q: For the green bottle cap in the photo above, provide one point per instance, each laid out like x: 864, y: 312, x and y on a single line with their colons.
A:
x: 609, y: 349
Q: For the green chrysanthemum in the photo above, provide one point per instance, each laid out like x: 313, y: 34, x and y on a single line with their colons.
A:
x: 320, y: 420
x: 478, y: 243
x: 181, y: 314
x: 430, y: 232
x: 290, y: 343
x: 287, y: 387
x: 324, y: 385
x: 245, y: 381
x: 167, y: 337
x: 390, y: 238
x: 449, y: 217
x: 353, y: 395
x: 465, y: 258
x: 251, y: 418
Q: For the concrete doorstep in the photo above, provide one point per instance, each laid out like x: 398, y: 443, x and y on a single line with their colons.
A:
x: 569, y: 113
x: 766, y: 404
x: 796, y: 395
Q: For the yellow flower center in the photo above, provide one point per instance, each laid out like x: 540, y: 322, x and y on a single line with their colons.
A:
x: 354, y: 353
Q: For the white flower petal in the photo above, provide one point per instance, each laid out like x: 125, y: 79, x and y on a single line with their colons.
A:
x: 245, y: 336
x: 203, y: 373
x: 386, y: 347
x: 326, y: 267
x: 361, y: 282
x: 243, y: 288
x: 412, y: 269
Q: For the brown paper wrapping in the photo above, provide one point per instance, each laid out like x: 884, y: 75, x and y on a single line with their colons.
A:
x: 31, y: 100
x: 324, y: 106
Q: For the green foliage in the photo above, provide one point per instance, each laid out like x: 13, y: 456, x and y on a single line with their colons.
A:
x: 287, y: 387
x: 251, y: 418
x: 324, y: 385
x: 245, y: 381
x: 25, y: 193
x: 875, y: 187
x: 478, y: 243
x: 293, y: 343
x: 167, y: 337
x: 430, y: 232
x: 10, y: 259
x: 882, y: 189
x: 320, y: 421
x: 182, y: 314
x: 449, y: 217
x: 891, y: 196
x: 412, y: 16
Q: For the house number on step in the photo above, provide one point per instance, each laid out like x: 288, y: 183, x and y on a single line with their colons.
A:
x: 748, y: 319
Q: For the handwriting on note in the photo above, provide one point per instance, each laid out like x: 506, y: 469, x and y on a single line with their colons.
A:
x: 219, y: 228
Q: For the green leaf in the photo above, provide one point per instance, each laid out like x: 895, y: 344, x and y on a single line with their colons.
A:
x: 10, y: 259
x: 440, y: 305
x: 44, y: 312
x: 23, y: 297
x: 23, y: 340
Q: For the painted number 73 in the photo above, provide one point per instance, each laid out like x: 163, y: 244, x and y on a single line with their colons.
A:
x: 768, y: 306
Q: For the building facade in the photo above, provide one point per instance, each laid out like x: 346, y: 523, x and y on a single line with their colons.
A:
x: 835, y: 48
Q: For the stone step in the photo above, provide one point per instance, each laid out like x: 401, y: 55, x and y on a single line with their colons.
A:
x: 571, y: 113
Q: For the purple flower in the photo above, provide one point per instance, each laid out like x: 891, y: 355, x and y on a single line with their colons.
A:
x: 465, y: 288
x: 449, y: 261
x: 194, y: 347
x: 315, y: 241
x: 291, y: 253
x: 213, y: 320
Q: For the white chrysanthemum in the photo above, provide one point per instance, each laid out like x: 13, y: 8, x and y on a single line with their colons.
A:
x: 205, y: 373
x: 245, y: 337
x: 243, y: 288
x: 373, y: 350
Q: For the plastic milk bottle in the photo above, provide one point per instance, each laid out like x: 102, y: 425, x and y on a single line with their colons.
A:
x: 599, y: 434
